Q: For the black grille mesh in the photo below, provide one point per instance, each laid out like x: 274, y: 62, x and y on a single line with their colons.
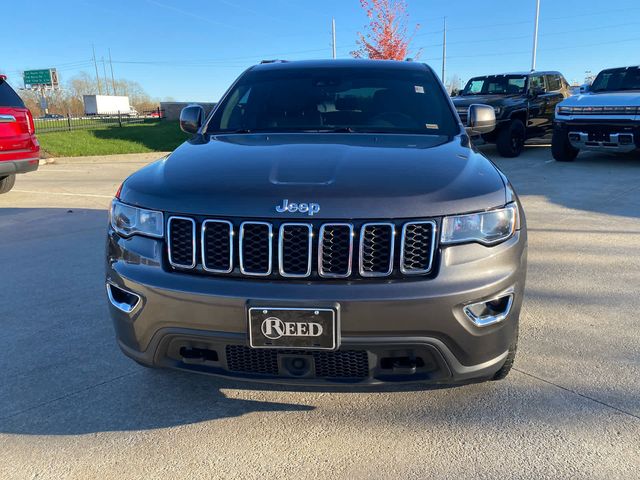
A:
x: 181, y: 240
x: 217, y: 246
x: 255, y: 248
x: 340, y: 364
x: 377, y: 243
x: 336, y: 244
x: 296, y: 255
x: 218, y: 250
x: 417, y: 247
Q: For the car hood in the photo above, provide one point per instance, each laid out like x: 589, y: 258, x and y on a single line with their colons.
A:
x: 493, y: 100
x: 604, y: 99
x: 347, y: 175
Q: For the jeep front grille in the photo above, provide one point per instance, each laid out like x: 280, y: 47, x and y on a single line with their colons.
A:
x: 377, y: 241
x: 256, y: 248
x: 417, y: 255
x: 335, y: 250
x: 182, y: 242
x: 314, y: 250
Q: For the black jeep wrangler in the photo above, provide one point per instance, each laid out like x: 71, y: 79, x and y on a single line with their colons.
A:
x: 524, y: 104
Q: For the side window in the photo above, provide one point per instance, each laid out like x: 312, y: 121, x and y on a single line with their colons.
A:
x: 536, y: 82
x: 475, y: 87
x: 554, y: 83
x: 9, y: 98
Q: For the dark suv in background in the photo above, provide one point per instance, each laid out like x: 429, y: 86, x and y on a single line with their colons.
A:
x: 524, y: 104
x: 19, y: 148
x: 329, y: 222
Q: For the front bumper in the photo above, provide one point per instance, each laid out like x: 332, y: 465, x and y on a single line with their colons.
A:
x: 391, y: 331
x: 618, y: 136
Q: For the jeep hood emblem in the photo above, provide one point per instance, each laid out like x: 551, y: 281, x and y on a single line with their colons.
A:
x: 308, y: 208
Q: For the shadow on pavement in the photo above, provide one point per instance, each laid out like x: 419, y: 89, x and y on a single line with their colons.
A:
x: 594, y: 182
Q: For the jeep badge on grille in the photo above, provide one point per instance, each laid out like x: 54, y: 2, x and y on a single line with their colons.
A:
x: 308, y: 208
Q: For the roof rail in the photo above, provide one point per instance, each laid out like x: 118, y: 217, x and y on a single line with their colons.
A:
x: 275, y: 60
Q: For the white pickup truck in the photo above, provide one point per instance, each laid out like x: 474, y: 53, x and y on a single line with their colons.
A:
x: 605, y: 118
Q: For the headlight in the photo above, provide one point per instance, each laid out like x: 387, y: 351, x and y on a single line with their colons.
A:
x: 564, y: 110
x: 128, y: 220
x: 487, y: 228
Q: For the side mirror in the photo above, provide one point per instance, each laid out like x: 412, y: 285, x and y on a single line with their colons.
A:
x: 584, y: 88
x: 191, y: 118
x: 480, y: 119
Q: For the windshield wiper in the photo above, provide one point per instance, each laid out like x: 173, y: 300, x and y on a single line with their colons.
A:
x: 329, y: 130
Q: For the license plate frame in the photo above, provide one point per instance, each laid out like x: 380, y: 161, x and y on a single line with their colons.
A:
x: 290, y: 328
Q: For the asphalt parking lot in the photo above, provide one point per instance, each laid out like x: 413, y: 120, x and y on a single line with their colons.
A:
x: 72, y: 406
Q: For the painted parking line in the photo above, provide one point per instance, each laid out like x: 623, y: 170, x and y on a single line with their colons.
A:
x: 65, y: 194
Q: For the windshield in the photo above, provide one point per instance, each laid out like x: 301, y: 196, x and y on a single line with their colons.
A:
x: 380, y: 100
x: 496, y: 85
x: 617, y: 79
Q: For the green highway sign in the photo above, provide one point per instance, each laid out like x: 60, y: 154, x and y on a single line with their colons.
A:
x: 46, y: 77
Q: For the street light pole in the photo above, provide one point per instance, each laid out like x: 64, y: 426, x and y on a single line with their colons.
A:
x: 95, y: 64
x: 535, y: 37
x: 444, y: 49
x: 333, y: 37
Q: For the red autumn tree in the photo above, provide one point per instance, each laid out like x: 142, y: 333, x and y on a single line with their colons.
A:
x: 386, y: 37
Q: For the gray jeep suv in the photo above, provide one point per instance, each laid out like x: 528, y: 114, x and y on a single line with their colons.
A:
x: 328, y: 223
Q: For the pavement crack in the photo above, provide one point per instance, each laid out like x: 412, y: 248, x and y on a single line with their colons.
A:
x: 587, y: 397
x: 67, y: 395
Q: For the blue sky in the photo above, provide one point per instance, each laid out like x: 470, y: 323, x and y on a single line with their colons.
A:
x: 193, y: 49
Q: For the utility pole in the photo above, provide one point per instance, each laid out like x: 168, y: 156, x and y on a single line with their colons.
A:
x: 535, y: 37
x: 444, y: 49
x: 95, y: 64
x: 113, y: 80
x: 104, y: 71
x: 333, y: 37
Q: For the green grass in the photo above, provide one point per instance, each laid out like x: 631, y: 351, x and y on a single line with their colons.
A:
x: 148, y: 137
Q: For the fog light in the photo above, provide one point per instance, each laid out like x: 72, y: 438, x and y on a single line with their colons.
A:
x: 122, y: 299
x: 574, y: 137
x: 625, y: 139
x: 490, y: 311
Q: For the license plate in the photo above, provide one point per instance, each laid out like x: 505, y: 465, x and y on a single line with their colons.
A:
x: 297, y: 328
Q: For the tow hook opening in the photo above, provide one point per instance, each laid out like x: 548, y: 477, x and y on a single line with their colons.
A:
x: 122, y: 299
x: 195, y: 355
x: 490, y: 311
x: 402, y: 365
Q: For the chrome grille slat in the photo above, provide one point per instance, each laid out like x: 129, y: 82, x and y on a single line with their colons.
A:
x: 294, y: 257
x: 216, y: 246
x: 334, y: 258
x: 417, y: 247
x: 209, y: 246
x: 377, y: 243
x: 252, y: 260
x: 184, y: 245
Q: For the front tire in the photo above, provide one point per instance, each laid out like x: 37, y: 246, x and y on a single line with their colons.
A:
x: 508, y: 363
x: 7, y: 183
x: 510, y: 141
x: 561, y: 149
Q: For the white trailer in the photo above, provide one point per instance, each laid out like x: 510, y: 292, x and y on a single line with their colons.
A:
x: 107, y: 105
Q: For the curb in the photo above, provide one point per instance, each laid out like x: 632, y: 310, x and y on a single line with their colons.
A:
x: 96, y: 159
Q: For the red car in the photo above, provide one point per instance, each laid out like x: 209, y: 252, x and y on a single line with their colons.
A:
x: 19, y: 148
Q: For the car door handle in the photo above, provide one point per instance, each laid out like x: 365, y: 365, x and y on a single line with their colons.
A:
x: 4, y: 118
